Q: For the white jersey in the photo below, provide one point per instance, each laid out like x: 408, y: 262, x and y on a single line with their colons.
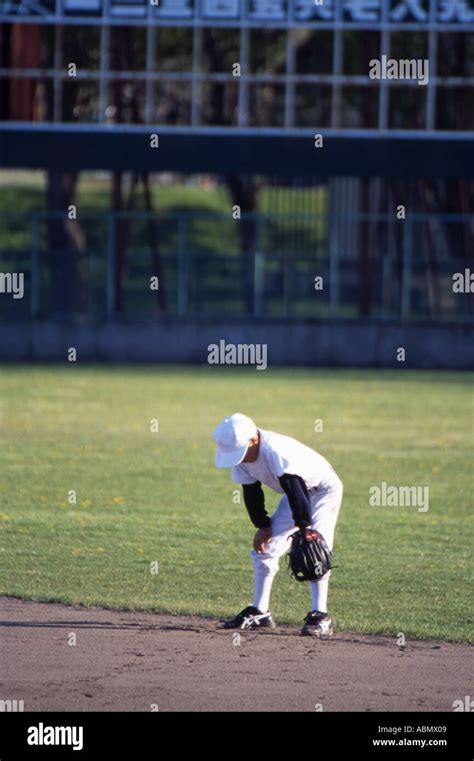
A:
x: 280, y: 454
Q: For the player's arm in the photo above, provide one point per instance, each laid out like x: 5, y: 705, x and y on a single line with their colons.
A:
x: 298, y: 498
x: 254, y: 500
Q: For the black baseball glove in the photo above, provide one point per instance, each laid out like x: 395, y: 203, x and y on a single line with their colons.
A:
x: 309, y: 557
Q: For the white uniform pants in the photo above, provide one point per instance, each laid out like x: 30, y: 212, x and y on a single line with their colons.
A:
x: 325, y: 505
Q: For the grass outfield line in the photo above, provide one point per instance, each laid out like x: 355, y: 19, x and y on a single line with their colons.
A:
x: 144, y: 496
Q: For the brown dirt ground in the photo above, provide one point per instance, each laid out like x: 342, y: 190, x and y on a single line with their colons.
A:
x: 128, y: 661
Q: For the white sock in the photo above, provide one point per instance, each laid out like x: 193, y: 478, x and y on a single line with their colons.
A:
x: 262, y: 586
x: 319, y: 594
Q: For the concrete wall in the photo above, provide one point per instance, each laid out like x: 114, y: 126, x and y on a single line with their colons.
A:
x: 337, y: 343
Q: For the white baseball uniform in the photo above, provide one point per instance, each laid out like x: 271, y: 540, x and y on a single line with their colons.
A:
x: 279, y: 455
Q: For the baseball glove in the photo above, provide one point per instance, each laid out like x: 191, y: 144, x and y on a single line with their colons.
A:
x: 309, y: 557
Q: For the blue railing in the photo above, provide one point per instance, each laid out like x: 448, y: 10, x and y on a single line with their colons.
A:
x: 135, y: 264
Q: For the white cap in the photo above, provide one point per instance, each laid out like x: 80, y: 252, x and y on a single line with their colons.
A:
x: 232, y: 437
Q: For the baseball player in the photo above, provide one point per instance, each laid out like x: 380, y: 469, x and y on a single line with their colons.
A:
x: 312, y: 494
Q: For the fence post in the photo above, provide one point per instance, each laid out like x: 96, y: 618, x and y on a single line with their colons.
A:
x: 259, y: 266
x: 405, y: 309
x: 287, y: 285
x: 334, y: 240
x: 111, y: 264
x: 182, y: 267
x: 34, y: 296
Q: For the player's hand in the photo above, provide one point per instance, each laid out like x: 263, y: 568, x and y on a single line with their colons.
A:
x: 262, y: 536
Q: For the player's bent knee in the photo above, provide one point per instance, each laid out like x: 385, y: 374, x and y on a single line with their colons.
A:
x: 266, y: 564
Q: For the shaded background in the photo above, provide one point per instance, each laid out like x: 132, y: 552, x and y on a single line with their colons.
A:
x: 90, y: 211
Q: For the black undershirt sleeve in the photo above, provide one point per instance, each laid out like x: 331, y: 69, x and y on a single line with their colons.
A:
x: 298, y: 497
x: 254, y: 499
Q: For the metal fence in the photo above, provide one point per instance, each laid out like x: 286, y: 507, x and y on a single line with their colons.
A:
x: 333, y: 90
x: 263, y: 265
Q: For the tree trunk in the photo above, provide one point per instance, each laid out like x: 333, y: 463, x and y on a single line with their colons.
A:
x: 244, y: 194
x: 25, y: 53
x: 153, y: 237
x: 65, y: 244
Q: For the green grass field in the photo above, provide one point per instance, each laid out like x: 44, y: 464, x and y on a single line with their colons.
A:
x: 147, y: 496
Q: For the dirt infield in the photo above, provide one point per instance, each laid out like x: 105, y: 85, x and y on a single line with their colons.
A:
x: 132, y: 661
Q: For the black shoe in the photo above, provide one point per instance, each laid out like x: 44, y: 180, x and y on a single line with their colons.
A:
x: 251, y: 618
x: 317, y: 624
